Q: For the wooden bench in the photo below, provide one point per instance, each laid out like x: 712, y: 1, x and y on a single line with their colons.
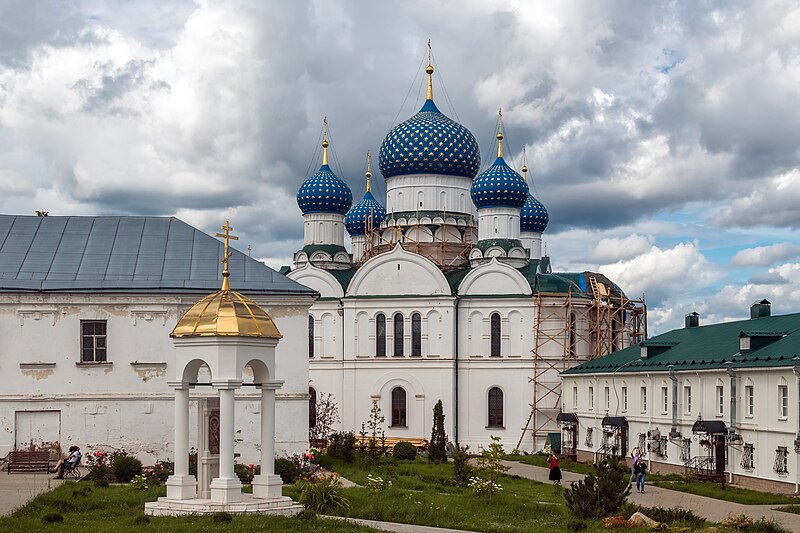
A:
x: 389, y: 442
x: 28, y: 461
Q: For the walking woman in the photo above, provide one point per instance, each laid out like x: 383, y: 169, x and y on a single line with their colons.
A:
x: 555, y: 471
x: 640, y: 470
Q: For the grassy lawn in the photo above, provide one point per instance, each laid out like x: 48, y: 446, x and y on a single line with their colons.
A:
x: 789, y: 509
x: 541, y: 460
x: 119, y: 508
x: 729, y: 493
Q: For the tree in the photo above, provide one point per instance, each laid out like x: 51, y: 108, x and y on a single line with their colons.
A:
x: 602, y: 492
x: 375, y: 428
x: 437, y: 448
x: 491, y: 464
x: 327, y: 416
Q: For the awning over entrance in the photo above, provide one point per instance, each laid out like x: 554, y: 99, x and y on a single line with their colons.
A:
x: 710, y: 427
x: 615, y: 421
x: 567, y: 418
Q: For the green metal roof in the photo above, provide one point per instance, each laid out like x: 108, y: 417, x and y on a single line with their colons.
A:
x: 331, y: 249
x: 707, y: 348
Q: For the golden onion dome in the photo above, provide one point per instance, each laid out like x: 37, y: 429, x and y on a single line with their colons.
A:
x: 226, y: 314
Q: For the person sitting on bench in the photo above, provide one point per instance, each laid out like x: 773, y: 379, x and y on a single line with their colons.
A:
x: 71, y: 462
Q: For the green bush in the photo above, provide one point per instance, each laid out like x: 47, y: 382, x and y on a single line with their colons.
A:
x: 765, y: 526
x: 462, y: 470
x: 343, y: 446
x: 245, y: 473
x: 287, y: 469
x: 576, y: 525
x: 52, y: 518
x: 405, y: 451
x: 324, y: 496
x: 125, y: 468
x: 602, y: 492
x: 437, y: 449
x: 674, y: 516
x: 222, y: 517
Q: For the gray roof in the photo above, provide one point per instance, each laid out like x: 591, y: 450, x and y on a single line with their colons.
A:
x: 130, y: 254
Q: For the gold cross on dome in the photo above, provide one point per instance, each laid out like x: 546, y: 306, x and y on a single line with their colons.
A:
x: 226, y: 254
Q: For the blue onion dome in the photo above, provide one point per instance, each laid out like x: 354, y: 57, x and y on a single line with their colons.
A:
x: 324, y: 192
x: 358, y: 217
x: 430, y: 143
x: 533, y: 216
x: 499, y: 186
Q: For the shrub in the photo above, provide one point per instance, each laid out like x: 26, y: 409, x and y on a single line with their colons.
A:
x: 222, y: 517
x: 245, y: 473
x: 616, y: 522
x: 325, y: 496
x: 437, y: 449
x: 405, y: 451
x: 601, y: 493
x: 674, y: 516
x: 125, y: 468
x: 462, y: 471
x: 490, y: 464
x: 766, y: 526
x: 159, y: 472
x: 377, y: 484
x: 287, y: 469
x: 101, y: 484
x: 139, y: 482
x: 52, y: 518
x: 576, y: 525
x: 343, y: 446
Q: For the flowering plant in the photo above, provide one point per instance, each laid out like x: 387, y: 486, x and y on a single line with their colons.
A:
x: 139, y: 482
x: 377, y: 484
x: 480, y: 485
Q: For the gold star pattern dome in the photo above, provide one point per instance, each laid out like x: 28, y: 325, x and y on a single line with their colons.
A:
x: 499, y: 186
x: 430, y: 143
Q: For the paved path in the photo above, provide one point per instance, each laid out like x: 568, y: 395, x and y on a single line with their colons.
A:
x: 401, y: 528
x: 17, y: 489
x: 710, y: 508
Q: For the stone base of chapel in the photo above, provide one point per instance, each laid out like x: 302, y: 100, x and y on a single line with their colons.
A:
x: 283, y: 506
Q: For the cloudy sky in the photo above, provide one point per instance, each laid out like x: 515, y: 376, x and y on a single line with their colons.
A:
x: 663, y: 137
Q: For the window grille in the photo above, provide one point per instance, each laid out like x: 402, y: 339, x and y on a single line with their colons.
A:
x: 495, y: 408
x: 416, y: 335
x: 398, y: 407
x: 310, y: 336
x: 781, y: 460
x: 661, y: 446
x: 747, y: 457
x: 642, y: 444
x: 589, y: 442
x: 380, y: 335
x: 398, y: 334
x: 686, y: 449
x: 495, y: 348
x: 93, y: 341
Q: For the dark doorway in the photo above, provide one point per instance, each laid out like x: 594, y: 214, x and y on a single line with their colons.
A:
x: 719, y: 454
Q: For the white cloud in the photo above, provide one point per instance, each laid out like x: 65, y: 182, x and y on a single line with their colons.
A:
x: 765, y: 255
x: 775, y: 202
x: 611, y: 250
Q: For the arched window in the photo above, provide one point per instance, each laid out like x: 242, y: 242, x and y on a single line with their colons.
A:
x: 398, y: 407
x: 312, y: 407
x: 398, y: 334
x: 380, y: 335
x: 310, y: 336
x: 495, y: 347
x: 416, y: 335
x: 495, y: 407
x: 573, y: 322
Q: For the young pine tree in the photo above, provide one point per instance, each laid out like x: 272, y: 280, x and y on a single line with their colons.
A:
x: 602, y: 492
x: 437, y: 449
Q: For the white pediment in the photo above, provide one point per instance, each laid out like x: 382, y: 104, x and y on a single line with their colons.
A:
x: 494, y: 278
x: 399, y: 273
x: 318, y: 279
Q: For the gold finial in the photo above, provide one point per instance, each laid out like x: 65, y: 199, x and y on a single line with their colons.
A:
x: 500, y: 134
x: 429, y: 71
x: 524, y: 164
x: 226, y: 254
x: 325, y: 141
x: 368, y: 174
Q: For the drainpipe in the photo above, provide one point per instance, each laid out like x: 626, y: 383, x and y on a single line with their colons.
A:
x: 796, y: 362
x: 733, y: 437
x: 674, y: 433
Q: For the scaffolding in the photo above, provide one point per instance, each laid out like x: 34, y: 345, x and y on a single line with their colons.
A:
x: 570, y: 329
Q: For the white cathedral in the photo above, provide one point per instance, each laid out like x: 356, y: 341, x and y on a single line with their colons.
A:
x: 432, y: 304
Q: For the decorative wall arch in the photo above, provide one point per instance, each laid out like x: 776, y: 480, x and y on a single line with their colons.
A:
x: 318, y: 279
x: 494, y: 278
x: 192, y: 368
x: 398, y: 272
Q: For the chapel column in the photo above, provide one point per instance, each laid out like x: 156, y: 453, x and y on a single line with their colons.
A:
x: 226, y: 488
x: 267, y: 484
x: 180, y: 485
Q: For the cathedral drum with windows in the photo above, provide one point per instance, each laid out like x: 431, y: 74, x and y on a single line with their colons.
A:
x: 433, y: 304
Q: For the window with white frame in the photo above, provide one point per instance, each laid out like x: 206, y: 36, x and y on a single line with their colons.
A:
x: 783, y: 401
x: 575, y: 396
x: 643, y: 398
x: 591, y: 398
x: 687, y: 399
x: 749, y: 400
x: 664, y: 400
x: 607, y: 397
x: 624, y: 398
x: 720, y: 400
